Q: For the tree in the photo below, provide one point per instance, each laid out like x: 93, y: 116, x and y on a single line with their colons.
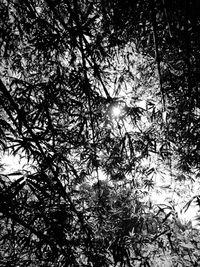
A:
x: 64, y: 66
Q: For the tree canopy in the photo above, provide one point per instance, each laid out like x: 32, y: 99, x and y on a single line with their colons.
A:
x: 65, y: 66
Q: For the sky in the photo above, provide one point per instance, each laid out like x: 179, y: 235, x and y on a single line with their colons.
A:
x: 12, y: 163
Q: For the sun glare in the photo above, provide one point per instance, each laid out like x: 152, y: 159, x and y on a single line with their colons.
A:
x: 116, y: 111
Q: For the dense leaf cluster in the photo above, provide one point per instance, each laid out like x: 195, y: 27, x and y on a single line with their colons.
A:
x: 64, y: 66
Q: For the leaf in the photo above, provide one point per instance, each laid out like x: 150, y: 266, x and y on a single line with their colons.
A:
x: 187, y: 205
x: 15, y: 174
x: 150, y: 171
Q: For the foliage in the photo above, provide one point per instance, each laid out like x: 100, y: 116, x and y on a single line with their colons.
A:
x: 64, y: 66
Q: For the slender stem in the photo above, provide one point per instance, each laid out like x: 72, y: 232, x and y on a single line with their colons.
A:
x: 156, y: 48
